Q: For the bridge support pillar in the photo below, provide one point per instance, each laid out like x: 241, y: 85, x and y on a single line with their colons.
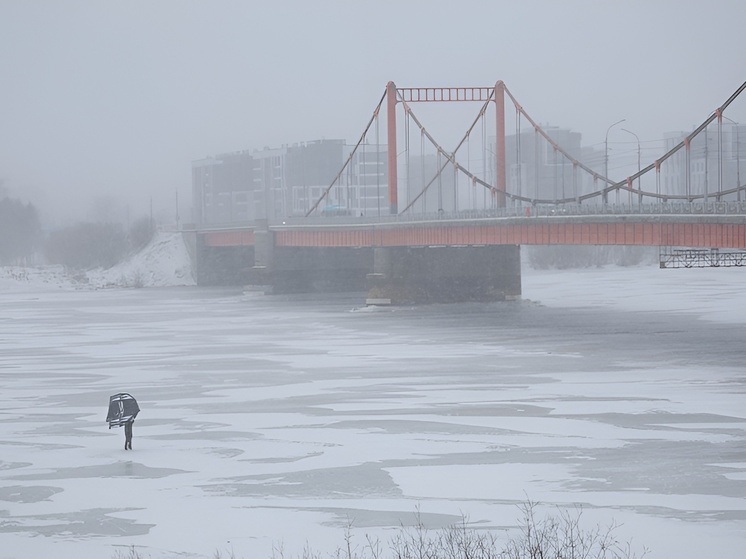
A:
x: 403, y: 275
x: 221, y: 265
x: 264, y: 248
x: 319, y: 269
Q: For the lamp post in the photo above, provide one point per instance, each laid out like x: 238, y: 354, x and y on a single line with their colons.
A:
x: 738, y: 159
x: 639, y: 179
x: 606, y: 157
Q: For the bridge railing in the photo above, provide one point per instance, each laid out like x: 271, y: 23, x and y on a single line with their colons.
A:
x: 701, y: 258
x: 524, y: 212
x: 528, y: 212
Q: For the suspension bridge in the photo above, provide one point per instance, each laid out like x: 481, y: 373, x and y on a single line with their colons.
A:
x: 452, y: 220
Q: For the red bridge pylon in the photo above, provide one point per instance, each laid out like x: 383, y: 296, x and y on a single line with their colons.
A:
x: 408, y: 95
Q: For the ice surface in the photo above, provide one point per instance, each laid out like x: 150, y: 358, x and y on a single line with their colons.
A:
x: 273, y: 422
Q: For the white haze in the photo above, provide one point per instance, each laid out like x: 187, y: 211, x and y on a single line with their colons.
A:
x: 105, y: 104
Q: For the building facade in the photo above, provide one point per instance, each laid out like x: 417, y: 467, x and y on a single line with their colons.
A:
x: 223, y: 188
x: 276, y: 183
x: 711, y: 166
x: 539, y: 172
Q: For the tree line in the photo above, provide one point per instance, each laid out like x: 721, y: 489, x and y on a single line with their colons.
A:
x: 82, y: 245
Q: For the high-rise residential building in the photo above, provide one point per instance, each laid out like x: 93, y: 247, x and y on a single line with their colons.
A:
x: 712, y: 165
x: 222, y: 188
x: 275, y: 183
x: 537, y: 171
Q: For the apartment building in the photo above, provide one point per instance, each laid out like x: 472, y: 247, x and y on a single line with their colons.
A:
x: 275, y: 183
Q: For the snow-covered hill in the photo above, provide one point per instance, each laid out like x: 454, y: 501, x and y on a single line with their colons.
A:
x: 164, y: 262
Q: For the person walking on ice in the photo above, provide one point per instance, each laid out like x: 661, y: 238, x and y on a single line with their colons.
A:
x: 123, y: 409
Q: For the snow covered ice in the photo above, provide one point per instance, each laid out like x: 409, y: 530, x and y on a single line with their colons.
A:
x: 274, y: 422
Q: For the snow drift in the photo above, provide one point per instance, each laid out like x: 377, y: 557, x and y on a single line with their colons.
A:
x: 164, y: 262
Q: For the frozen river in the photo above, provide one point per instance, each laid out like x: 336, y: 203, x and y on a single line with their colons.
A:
x: 275, y: 422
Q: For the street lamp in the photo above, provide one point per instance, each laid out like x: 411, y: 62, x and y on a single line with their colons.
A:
x: 639, y: 178
x: 738, y: 158
x: 606, y: 157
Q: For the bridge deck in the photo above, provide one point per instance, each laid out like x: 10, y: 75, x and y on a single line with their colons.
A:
x: 714, y: 231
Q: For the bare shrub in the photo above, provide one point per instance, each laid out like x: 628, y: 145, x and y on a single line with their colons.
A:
x: 561, y: 536
x: 131, y: 553
x: 558, y: 536
x: 86, y: 245
x: 454, y: 542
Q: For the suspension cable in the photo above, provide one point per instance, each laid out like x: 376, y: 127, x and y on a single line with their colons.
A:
x: 611, y: 185
x: 349, y: 158
x: 378, y: 174
x: 449, y: 158
x: 518, y: 150
x: 407, y: 153
x: 422, y: 170
x: 472, y: 201
x: 484, y: 161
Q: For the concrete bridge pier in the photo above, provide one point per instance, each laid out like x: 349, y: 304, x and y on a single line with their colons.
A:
x: 290, y: 269
x: 319, y: 269
x: 218, y: 264
x: 444, y: 274
x: 264, y: 244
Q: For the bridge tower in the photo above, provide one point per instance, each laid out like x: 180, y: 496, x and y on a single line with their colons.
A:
x: 501, y: 166
x: 446, y: 94
x: 391, y: 132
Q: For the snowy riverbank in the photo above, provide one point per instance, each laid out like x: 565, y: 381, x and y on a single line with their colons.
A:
x: 164, y: 262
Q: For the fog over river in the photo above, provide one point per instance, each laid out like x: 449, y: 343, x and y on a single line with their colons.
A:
x: 274, y: 422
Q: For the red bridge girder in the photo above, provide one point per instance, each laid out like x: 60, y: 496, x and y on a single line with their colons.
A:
x: 229, y: 238
x: 639, y: 234
x: 707, y: 235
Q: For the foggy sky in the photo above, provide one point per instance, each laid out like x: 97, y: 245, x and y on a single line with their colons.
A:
x: 106, y: 104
